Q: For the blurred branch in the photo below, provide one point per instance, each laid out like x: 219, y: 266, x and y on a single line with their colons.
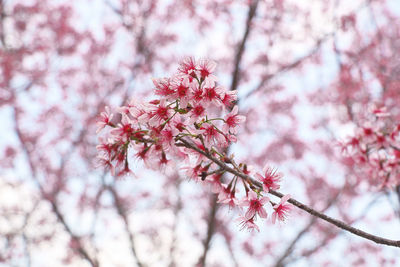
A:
x: 177, y: 210
x: 394, y: 205
x: 122, y: 213
x: 82, y: 252
x: 26, y: 249
x: 289, y: 66
x: 210, y: 230
x: 2, y: 17
x: 319, y: 42
x: 289, y: 249
x: 398, y: 196
x: 241, y: 48
x: 80, y: 249
x: 231, y: 252
x: 235, y: 81
x: 141, y: 47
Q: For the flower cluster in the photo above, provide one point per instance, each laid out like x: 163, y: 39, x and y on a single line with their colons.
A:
x: 193, y: 119
x: 375, y: 149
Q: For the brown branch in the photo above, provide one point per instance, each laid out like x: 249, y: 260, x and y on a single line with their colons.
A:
x: 235, y: 81
x: 289, y: 249
x: 328, y: 237
x: 298, y: 204
x: 286, y: 67
x: 80, y: 249
x: 398, y: 195
x: 121, y: 212
x: 319, y: 42
x: 2, y: 17
x: 240, y: 50
x: 177, y: 210
x: 210, y: 230
x: 82, y: 252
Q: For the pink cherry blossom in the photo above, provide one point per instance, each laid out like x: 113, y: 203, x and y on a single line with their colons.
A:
x: 255, y: 205
x: 248, y: 224
x: 227, y: 196
x: 206, y: 68
x: 213, y: 135
x: 188, y: 66
x: 232, y: 120
x: 163, y: 87
x: 213, y: 95
x: 104, y: 120
x: 229, y: 98
x: 281, y: 210
x: 270, y: 179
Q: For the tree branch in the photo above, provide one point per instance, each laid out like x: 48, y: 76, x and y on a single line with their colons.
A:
x: 121, y: 212
x: 210, y: 230
x: 177, y: 210
x: 289, y: 249
x: 80, y: 249
x: 328, y: 237
x: 240, y: 50
x: 235, y: 81
x: 298, y: 204
x: 82, y: 252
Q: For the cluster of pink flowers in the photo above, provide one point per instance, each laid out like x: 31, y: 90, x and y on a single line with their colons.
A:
x: 190, y: 106
x: 374, y: 150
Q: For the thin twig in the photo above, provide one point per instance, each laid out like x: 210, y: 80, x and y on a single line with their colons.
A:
x: 121, y: 212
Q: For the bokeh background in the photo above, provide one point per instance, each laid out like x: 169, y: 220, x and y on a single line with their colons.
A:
x: 305, y: 72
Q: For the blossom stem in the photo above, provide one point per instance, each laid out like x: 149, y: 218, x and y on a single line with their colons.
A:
x: 165, y: 122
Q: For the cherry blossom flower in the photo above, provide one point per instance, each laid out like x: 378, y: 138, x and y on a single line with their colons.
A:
x: 281, y: 210
x: 194, y: 173
x: 215, y: 182
x: 380, y: 112
x: 229, y: 98
x: 373, y: 148
x: 167, y: 137
x: 159, y: 114
x: 126, y: 171
x: 181, y: 91
x: 206, y: 68
x: 188, y: 66
x: 213, y: 136
x: 163, y: 87
x: 191, y: 108
x: 248, y: 224
x: 124, y: 131
x: 227, y: 196
x: 212, y: 95
x: 105, y: 119
x: 255, y: 205
x: 197, y: 111
x: 232, y: 120
x: 270, y: 179
x: 197, y: 93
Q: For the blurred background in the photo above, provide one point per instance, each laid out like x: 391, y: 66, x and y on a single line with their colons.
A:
x: 306, y: 72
